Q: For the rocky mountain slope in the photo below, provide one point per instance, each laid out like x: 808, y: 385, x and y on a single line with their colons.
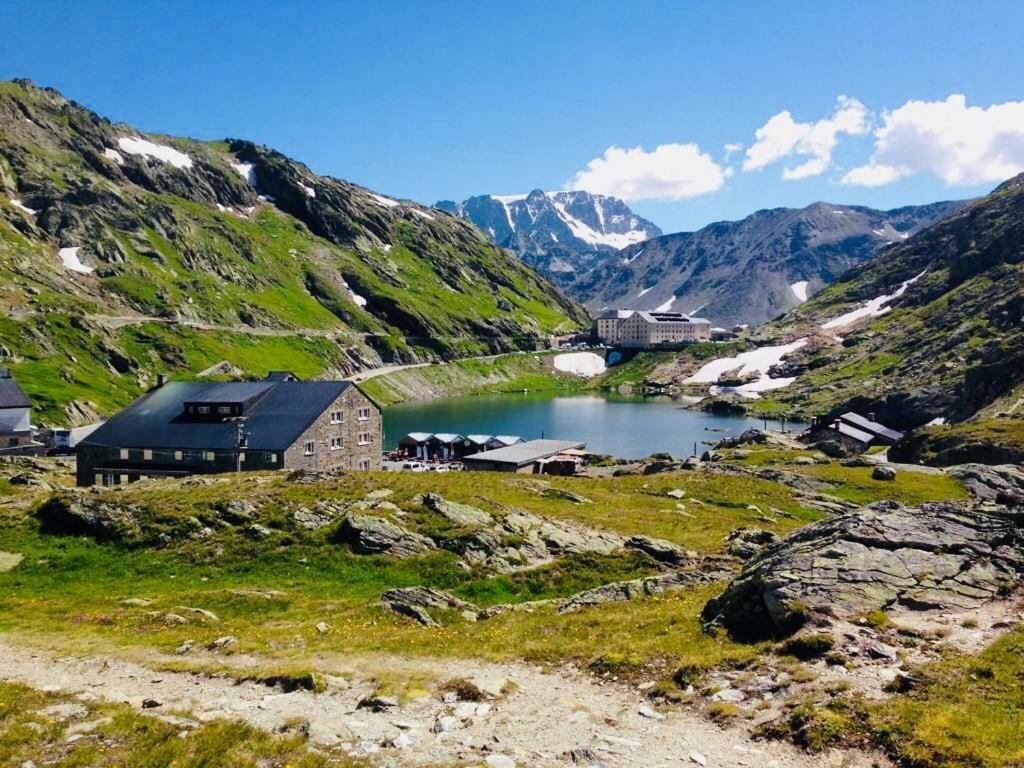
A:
x: 125, y: 255
x: 562, y: 234
x: 752, y: 270
x: 928, y: 329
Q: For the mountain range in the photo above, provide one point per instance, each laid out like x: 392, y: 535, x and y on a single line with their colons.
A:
x: 561, y: 234
x: 751, y: 270
x: 125, y: 255
x: 930, y: 328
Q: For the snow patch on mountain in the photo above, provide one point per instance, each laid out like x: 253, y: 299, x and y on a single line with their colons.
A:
x: 387, y: 202
x: 799, y: 289
x: 69, y: 258
x: 667, y: 306
x: 113, y: 154
x: 757, y: 361
x: 586, y: 364
x: 136, y: 145
x: 876, y: 307
x: 22, y: 207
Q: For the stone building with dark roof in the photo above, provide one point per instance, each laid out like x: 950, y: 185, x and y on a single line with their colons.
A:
x: 15, y: 420
x: 203, y: 427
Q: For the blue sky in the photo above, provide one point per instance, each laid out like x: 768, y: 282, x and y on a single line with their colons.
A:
x: 429, y: 100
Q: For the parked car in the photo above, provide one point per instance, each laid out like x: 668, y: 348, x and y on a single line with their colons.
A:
x: 413, y: 466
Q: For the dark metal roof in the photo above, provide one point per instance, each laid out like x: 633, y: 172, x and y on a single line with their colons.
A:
x: 856, y: 420
x: 274, y: 422
x: 11, y: 395
x: 231, y: 392
x: 525, y: 453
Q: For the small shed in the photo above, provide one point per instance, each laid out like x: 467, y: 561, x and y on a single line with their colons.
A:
x: 414, y: 445
x: 444, y: 445
x: 528, y: 457
x: 882, y: 434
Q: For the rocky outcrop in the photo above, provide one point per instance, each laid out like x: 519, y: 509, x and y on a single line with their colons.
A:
x: 660, y: 550
x: 744, y: 543
x: 938, y: 556
x: 85, y: 515
x: 620, y: 591
x: 459, y: 514
x: 370, y: 535
x: 1003, y: 484
x: 414, y: 602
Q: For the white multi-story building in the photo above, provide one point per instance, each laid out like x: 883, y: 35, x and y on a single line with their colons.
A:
x: 644, y: 330
x: 608, y: 325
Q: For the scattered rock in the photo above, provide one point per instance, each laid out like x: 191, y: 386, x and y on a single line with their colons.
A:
x: 150, y: 704
x: 630, y: 590
x: 224, y: 642
x: 257, y: 531
x: 676, y: 493
x: 237, y: 511
x: 322, y: 627
x: 883, y: 473
x: 730, y: 695
x: 9, y: 561
x: 378, y: 703
x: 412, y: 602
x: 369, y: 535
x: 69, y: 710
x: 500, y: 761
x: 698, y: 758
x: 201, y: 612
x: 445, y: 724
x: 136, y: 602
x: 184, y: 648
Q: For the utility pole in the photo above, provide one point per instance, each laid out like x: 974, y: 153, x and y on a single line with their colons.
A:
x: 241, y: 441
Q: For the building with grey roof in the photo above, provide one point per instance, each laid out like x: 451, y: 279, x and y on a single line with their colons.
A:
x: 204, y: 427
x: 527, y: 457
x: 16, y: 420
x: 644, y: 330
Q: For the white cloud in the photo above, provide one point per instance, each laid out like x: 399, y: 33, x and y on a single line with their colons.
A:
x: 783, y: 137
x: 670, y: 172
x: 732, y: 149
x: 959, y: 144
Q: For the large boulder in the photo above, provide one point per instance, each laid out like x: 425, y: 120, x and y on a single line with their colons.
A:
x: 369, y: 535
x: 945, y: 556
x: 413, y: 603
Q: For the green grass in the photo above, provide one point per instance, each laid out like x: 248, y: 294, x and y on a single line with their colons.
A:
x: 967, y: 711
x: 857, y: 485
x: 123, y: 738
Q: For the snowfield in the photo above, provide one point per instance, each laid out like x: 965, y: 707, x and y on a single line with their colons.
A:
x: 757, y: 361
x: 423, y: 214
x: 874, y: 308
x: 799, y: 289
x: 387, y: 202
x: 69, y: 258
x: 165, y: 154
x: 113, y: 154
x: 586, y: 364
x: 245, y: 170
x: 310, y: 192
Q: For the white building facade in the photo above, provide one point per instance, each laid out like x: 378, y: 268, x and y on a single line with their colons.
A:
x: 644, y: 330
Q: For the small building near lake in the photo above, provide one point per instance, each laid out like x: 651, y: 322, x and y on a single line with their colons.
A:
x: 533, y: 457
x: 16, y: 437
x: 647, y: 330
x: 854, y: 432
x: 205, y: 427
x: 431, y: 446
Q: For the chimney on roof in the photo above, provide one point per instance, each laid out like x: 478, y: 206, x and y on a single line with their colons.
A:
x: 871, y: 416
x: 835, y: 425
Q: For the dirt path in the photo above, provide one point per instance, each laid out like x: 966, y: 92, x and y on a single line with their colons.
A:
x: 539, y: 718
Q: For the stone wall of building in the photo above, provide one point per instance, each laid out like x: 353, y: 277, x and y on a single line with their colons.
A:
x: 351, y: 453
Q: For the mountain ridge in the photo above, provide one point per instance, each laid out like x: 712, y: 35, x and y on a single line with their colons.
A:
x: 749, y: 270
x: 104, y: 228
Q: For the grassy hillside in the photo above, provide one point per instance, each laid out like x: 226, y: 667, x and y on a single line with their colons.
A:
x: 225, y: 251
